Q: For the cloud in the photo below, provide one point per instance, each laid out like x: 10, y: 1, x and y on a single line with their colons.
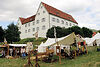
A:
x: 85, y: 12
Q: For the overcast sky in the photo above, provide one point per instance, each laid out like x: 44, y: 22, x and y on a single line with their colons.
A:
x: 85, y: 12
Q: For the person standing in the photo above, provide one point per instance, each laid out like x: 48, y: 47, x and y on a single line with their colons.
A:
x: 23, y: 52
x: 11, y: 51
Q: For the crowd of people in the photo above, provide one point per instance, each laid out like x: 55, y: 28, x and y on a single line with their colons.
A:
x: 14, y: 52
x: 17, y: 52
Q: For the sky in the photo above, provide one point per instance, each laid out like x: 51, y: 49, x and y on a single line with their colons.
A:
x: 85, y: 12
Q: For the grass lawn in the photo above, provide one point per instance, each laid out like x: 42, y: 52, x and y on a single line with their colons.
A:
x: 92, y: 59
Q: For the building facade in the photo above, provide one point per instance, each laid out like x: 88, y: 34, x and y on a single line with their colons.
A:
x: 45, y: 18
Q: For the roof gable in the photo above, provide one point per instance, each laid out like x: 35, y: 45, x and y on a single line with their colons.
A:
x: 59, y: 13
x: 26, y: 20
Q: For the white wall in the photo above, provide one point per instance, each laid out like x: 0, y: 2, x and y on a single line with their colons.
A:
x: 39, y: 16
x: 41, y: 13
x: 60, y: 22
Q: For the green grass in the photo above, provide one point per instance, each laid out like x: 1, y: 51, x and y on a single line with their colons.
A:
x: 92, y: 59
x: 35, y: 42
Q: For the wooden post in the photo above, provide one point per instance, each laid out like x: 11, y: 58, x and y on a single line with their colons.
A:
x: 8, y: 49
x: 59, y: 53
x: 36, y: 61
x: 29, y: 62
x: 29, y: 58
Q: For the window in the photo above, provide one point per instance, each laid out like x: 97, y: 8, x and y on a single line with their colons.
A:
x: 53, y: 19
x: 53, y: 26
x: 58, y: 20
x: 73, y: 24
x: 57, y: 13
x: 18, y: 23
x: 25, y: 31
x: 43, y: 11
x: 38, y: 13
x: 70, y: 24
x: 43, y: 19
x: 33, y: 29
x: 62, y: 22
x: 41, y: 6
x: 37, y: 28
x: 37, y: 21
x: 33, y: 23
x: 19, y: 28
x: 28, y: 30
x: 66, y: 23
x: 28, y: 24
x: 25, y: 25
x: 43, y: 27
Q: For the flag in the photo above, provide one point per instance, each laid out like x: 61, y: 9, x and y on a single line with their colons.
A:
x: 36, y: 35
x: 5, y: 41
x: 55, y: 33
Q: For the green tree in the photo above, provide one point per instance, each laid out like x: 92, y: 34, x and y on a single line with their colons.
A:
x: 59, y: 32
x: 77, y: 30
x: 2, y: 33
x: 87, y: 32
x: 12, y: 33
x: 99, y: 31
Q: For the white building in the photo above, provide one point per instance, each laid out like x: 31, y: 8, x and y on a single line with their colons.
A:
x: 45, y: 18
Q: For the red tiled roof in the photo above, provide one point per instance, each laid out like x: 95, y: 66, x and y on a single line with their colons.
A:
x: 59, y: 13
x: 25, y: 20
x: 51, y: 10
x: 94, y: 33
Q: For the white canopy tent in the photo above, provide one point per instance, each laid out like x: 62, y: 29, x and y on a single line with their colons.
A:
x: 18, y: 45
x: 95, y: 38
x: 89, y: 41
x: 65, y: 41
x: 98, y: 42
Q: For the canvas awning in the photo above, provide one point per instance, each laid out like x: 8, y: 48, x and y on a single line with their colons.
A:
x: 67, y: 40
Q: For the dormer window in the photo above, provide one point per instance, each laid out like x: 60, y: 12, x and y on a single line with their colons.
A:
x: 57, y: 13
x: 70, y: 18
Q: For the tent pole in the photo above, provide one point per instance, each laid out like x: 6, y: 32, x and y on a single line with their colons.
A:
x: 8, y: 50
x: 57, y: 45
